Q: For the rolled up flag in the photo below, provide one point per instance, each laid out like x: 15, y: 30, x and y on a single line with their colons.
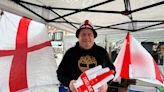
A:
x: 92, y: 79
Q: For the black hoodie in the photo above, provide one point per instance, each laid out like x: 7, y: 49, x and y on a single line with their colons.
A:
x: 77, y: 60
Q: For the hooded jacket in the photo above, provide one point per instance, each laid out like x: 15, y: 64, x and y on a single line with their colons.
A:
x: 76, y: 60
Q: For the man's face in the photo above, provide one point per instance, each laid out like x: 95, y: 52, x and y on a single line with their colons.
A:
x: 155, y: 47
x: 86, y: 38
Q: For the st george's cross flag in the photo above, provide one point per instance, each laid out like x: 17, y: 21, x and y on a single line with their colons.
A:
x: 135, y: 62
x: 26, y: 56
x: 92, y: 79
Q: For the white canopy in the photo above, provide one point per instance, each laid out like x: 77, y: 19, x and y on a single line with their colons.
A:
x: 145, y: 18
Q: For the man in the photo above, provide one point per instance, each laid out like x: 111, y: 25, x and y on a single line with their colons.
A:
x: 155, y: 52
x: 85, y: 55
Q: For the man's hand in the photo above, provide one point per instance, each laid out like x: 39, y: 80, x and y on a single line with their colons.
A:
x: 71, y: 86
x: 103, y: 88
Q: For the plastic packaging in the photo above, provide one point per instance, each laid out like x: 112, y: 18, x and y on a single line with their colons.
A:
x: 92, y: 79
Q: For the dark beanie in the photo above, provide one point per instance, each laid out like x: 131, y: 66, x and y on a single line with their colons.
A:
x: 86, y: 25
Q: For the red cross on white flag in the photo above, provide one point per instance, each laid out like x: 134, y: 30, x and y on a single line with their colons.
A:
x: 26, y: 57
x: 92, y: 79
x: 134, y: 62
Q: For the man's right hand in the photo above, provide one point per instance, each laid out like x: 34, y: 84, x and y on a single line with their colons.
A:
x: 71, y: 86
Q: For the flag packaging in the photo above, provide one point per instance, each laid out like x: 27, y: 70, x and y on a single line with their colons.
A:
x: 92, y: 79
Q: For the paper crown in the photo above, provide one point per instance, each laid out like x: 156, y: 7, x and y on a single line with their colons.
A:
x: 86, y: 25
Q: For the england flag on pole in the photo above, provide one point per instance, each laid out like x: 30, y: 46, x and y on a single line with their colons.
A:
x: 26, y: 57
x: 134, y: 62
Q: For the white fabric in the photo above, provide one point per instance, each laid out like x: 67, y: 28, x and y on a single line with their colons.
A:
x: 5, y: 63
x: 41, y: 65
x: 141, y: 64
x: 45, y: 88
x: 118, y: 62
x: 8, y: 29
x: 142, y: 88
